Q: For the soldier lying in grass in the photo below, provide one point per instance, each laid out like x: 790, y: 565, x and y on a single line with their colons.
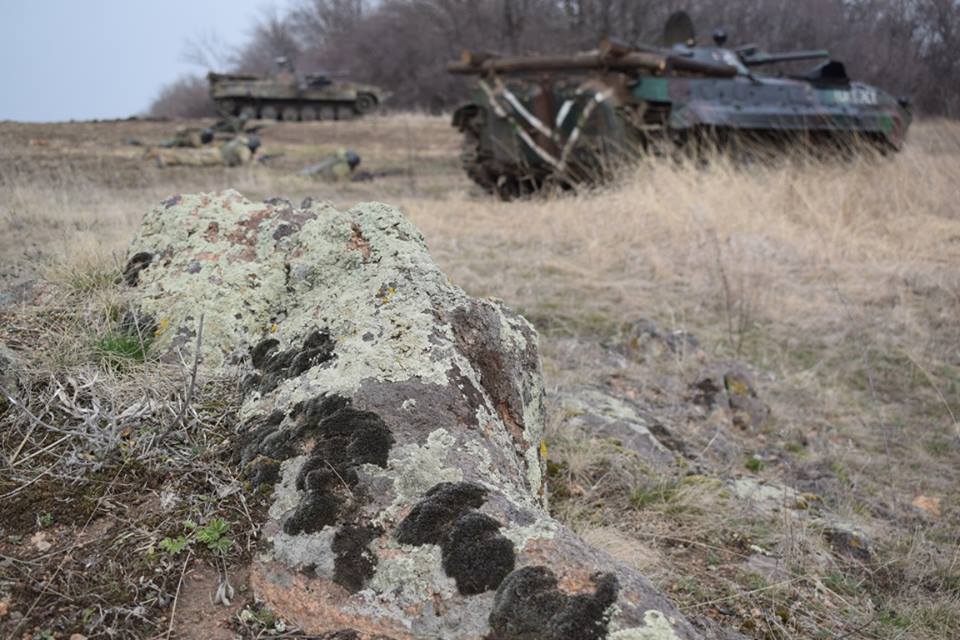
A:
x: 233, y: 153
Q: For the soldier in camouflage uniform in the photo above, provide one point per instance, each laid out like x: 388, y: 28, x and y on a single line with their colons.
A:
x: 188, y: 138
x: 233, y: 153
x: 337, y: 167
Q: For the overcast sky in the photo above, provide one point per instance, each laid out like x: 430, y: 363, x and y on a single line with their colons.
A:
x: 83, y: 59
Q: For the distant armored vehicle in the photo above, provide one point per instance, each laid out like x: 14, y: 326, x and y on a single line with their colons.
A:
x: 570, y: 120
x: 287, y: 97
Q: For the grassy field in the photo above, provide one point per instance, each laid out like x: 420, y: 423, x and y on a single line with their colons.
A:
x: 836, y: 285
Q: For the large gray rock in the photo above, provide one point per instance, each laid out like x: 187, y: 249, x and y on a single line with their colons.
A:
x: 603, y: 415
x: 398, y: 420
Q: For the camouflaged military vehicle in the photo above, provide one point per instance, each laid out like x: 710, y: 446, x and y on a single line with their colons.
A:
x: 570, y: 120
x: 288, y: 97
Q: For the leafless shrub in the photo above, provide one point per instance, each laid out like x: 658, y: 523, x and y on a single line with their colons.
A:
x: 186, y: 97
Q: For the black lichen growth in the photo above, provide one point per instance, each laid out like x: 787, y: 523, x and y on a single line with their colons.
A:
x: 342, y: 634
x: 263, y: 471
x: 529, y: 605
x: 432, y: 518
x: 280, y: 203
x: 475, y: 554
x: 353, y: 563
x: 258, y: 355
x: 264, y: 438
x: 345, y: 439
x: 171, y: 201
x: 524, y: 604
x: 284, y: 230
x: 274, y: 366
x: 320, y: 508
x: 136, y: 264
x: 586, y: 615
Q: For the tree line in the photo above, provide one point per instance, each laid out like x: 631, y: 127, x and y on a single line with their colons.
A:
x: 908, y: 47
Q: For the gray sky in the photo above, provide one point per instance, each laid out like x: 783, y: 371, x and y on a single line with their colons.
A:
x: 82, y: 59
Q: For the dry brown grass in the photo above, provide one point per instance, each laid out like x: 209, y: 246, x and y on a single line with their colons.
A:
x: 838, y: 283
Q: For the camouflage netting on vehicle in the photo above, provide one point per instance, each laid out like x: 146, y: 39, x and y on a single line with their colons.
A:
x: 398, y: 421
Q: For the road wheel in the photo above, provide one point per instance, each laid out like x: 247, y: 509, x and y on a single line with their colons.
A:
x: 248, y: 112
x: 328, y: 112
x: 309, y: 113
x: 365, y: 103
x: 291, y: 114
x: 227, y: 108
x: 269, y: 112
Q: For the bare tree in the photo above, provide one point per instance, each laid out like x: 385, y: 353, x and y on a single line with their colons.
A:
x: 272, y: 37
x: 911, y: 47
x: 186, y: 97
x: 207, y: 51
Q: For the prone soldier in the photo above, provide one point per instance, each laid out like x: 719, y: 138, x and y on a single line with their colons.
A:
x: 188, y: 138
x: 337, y: 167
x: 233, y: 153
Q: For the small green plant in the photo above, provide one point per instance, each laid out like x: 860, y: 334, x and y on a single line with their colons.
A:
x: 795, y: 447
x: 840, y: 583
x: 894, y: 619
x: 117, y: 347
x: 752, y: 581
x: 173, y: 546
x: 213, y: 535
x: 45, y: 520
x: 938, y: 447
x: 754, y: 464
x: 260, y: 617
x: 644, y: 497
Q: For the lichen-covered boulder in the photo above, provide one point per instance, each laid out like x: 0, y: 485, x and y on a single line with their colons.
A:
x: 397, y: 421
x: 602, y: 415
x: 731, y: 389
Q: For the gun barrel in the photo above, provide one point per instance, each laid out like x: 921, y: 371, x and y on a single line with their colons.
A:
x: 790, y: 56
x: 625, y: 61
x: 520, y: 64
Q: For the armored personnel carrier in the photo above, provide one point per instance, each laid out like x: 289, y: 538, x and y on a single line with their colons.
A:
x: 571, y: 120
x: 287, y: 97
